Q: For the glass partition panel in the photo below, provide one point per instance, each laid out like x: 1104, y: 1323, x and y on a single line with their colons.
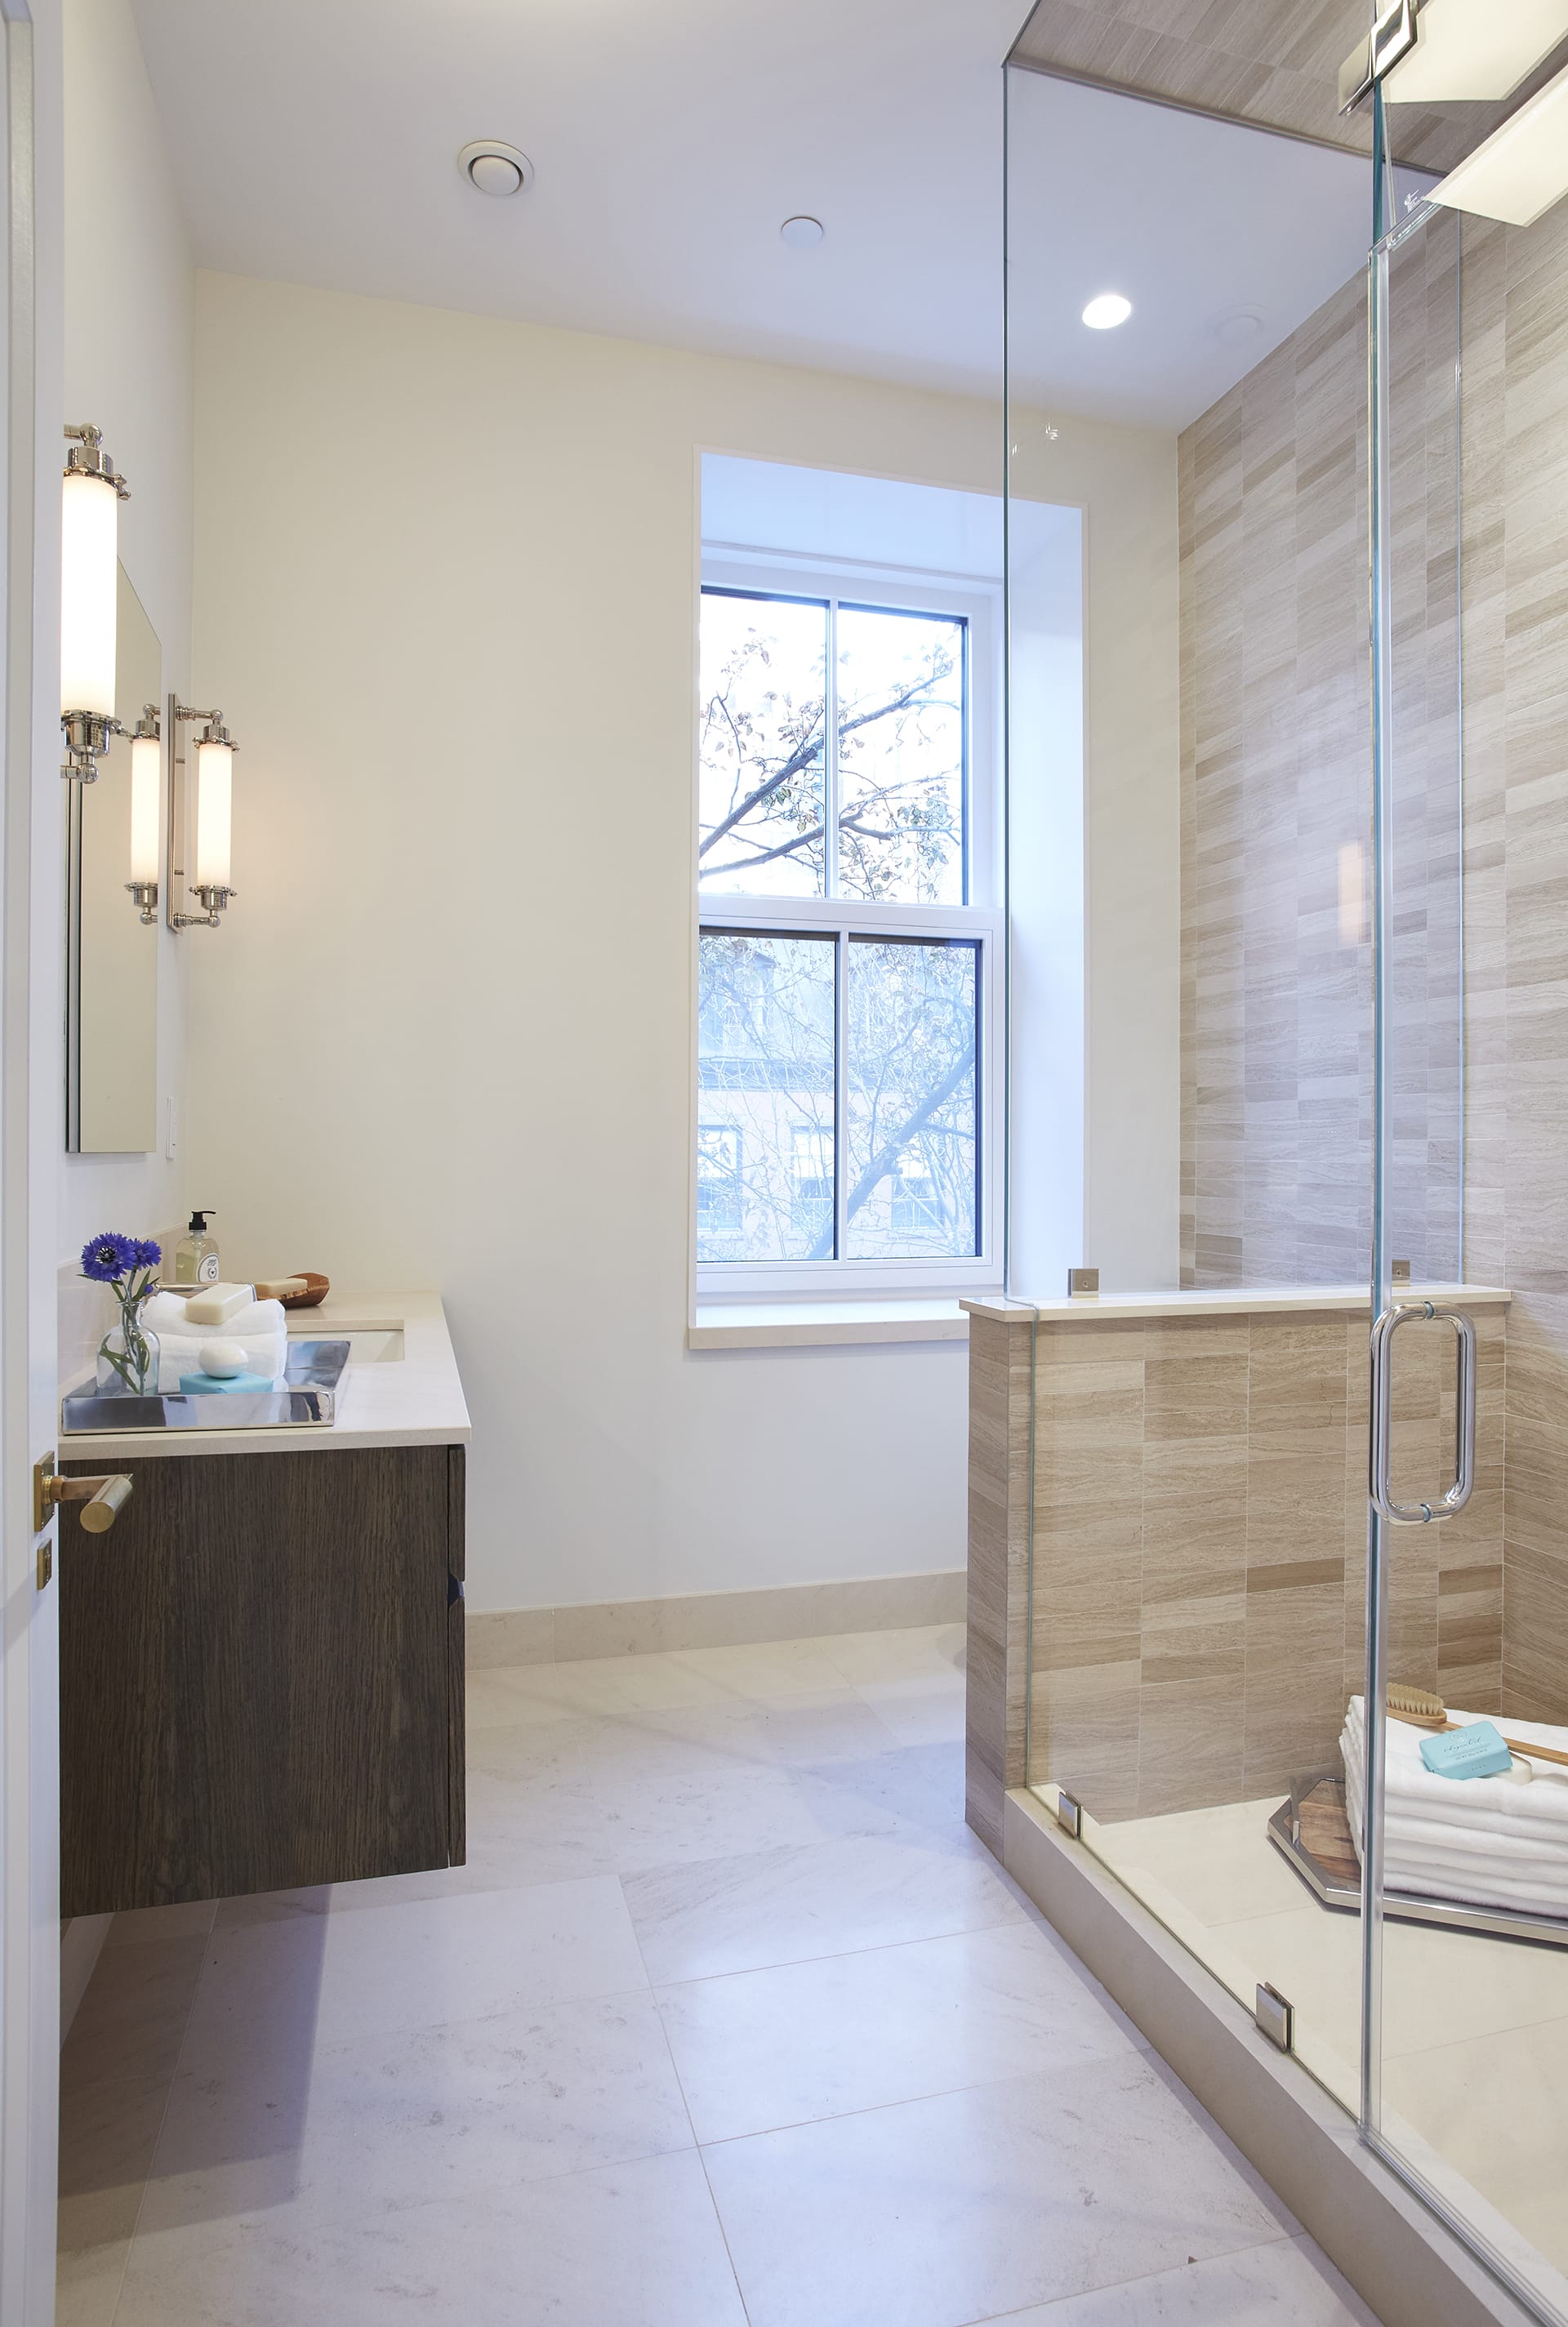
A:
x: 1468, y: 1954
x: 1198, y: 1513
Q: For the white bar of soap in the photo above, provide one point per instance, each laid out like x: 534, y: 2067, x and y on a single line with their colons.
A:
x: 215, y: 1304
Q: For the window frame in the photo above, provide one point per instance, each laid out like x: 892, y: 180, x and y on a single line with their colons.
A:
x: 979, y: 921
x: 844, y: 919
x: 889, y: 590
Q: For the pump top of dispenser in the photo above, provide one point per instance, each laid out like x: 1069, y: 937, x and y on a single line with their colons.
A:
x: 197, y: 1223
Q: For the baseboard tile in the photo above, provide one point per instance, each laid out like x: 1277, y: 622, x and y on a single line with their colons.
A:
x: 711, y: 1620
x: 1395, y: 2254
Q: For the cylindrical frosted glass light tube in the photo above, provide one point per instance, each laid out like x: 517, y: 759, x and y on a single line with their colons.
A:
x: 214, y: 800
x: 146, y: 767
x: 88, y: 590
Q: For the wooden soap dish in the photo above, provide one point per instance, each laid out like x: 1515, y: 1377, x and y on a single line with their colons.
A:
x: 316, y: 1289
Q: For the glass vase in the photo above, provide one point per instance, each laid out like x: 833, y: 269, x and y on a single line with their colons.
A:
x: 127, y: 1358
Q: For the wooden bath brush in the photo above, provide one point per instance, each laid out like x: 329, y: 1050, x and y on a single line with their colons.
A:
x: 1423, y: 1710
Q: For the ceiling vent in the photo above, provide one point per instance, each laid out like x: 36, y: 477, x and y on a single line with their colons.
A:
x: 496, y: 168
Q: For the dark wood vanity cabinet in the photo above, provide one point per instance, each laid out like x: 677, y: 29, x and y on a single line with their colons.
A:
x: 262, y: 1675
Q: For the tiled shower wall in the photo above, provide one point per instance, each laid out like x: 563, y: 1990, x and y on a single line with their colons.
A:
x: 1199, y: 1550
x: 1276, y: 1103
x: 1516, y: 721
x: 1276, y: 805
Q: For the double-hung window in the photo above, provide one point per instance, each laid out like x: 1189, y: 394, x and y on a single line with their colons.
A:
x: 849, y: 962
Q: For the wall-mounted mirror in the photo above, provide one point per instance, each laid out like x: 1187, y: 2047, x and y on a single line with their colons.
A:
x: 111, y: 965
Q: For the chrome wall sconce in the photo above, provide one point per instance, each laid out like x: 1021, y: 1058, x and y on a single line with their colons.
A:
x: 88, y: 584
x: 215, y: 749
x: 146, y: 767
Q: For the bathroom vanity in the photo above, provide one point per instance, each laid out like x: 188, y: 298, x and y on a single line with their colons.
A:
x: 262, y: 1660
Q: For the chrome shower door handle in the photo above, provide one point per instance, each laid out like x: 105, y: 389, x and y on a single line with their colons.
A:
x: 1382, y: 1433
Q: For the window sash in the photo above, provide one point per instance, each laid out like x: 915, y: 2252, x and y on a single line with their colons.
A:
x: 936, y: 608
x: 844, y: 919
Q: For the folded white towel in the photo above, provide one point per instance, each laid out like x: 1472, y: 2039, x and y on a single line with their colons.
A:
x: 1496, y: 1804
x: 257, y: 1321
x: 1478, y: 1841
x: 165, y: 1313
x: 1492, y: 1890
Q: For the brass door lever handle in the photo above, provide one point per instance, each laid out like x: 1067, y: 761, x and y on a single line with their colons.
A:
x: 100, y: 1498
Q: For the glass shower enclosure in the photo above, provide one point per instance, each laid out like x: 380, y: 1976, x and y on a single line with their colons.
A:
x: 1294, y: 1487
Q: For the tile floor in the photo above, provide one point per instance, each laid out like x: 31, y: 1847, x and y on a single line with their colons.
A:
x: 1474, y: 2028
x: 729, y: 2018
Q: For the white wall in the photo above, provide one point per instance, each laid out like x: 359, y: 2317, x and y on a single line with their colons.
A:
x: 1125, y: 479
x: 129, y: 295
x: 447, y: 578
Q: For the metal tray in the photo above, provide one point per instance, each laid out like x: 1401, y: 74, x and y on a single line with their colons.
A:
x: 1328, y: 1872
x: 311, y: 1376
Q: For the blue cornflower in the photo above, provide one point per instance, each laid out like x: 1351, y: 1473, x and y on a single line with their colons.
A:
x: 145, y: 1254
x: 105, y: 1257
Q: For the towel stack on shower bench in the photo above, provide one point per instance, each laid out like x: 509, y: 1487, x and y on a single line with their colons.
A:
x: 1484, y: 1842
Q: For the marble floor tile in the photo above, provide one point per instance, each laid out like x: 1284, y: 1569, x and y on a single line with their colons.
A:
x: 784, y: 1906
x: 1437, y: 1986
x: 192, y: 1918
x: 131, y: 2020
x: 109, y: 2132
x: 921, y: 1785
x: 832, y: 1724
x: 943, y: 2212
x: 422, y: 1964
x: 623, y: 1686
x: 620, y: 2246
x: 770, y: 1669
x: 1288, y: 2284
x: 1219, y: 1862
x: 932, y: 1652
x: 1493, y: 2107
x: 453, y: 2095
x: 919, y: 1711
x: 766, y: 2049
x: 394, y: 2119
x: 87, y: 2282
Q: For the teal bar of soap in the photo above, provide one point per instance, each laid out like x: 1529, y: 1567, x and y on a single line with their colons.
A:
x: 204, y: 1385
x: 1476, y: 1751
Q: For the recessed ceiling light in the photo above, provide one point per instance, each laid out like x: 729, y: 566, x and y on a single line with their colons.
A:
x: 1235, y: 330
x: 1103, y: 314
x: 802, y: 233
x: 495, y: 168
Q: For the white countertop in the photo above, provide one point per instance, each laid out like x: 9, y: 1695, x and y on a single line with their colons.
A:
x: 1233, y: 1301
x: 415, y: 1400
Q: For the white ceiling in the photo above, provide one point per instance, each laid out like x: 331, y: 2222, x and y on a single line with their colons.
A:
x: 315, y: 141
x: 1199, y: 222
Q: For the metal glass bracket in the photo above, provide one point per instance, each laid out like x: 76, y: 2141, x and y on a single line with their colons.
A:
x: 1382, y: 1436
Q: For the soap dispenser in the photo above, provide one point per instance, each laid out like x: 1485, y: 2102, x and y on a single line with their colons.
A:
x: 196, y: 1254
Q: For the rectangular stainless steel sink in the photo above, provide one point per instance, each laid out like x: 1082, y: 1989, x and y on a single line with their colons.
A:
x: 311, y: 1374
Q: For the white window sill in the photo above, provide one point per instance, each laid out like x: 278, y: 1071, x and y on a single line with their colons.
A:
x: 807, y: 1324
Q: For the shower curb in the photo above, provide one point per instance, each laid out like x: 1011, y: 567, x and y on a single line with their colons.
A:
x: 1397, y: 2256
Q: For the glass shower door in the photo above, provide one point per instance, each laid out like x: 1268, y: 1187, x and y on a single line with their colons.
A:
x: 1465, y: 1939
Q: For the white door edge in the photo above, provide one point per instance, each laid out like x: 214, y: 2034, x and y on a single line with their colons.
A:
x: 31, y: 324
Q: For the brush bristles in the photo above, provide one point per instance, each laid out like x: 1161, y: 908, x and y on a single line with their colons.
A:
x: 1419, y: 1703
